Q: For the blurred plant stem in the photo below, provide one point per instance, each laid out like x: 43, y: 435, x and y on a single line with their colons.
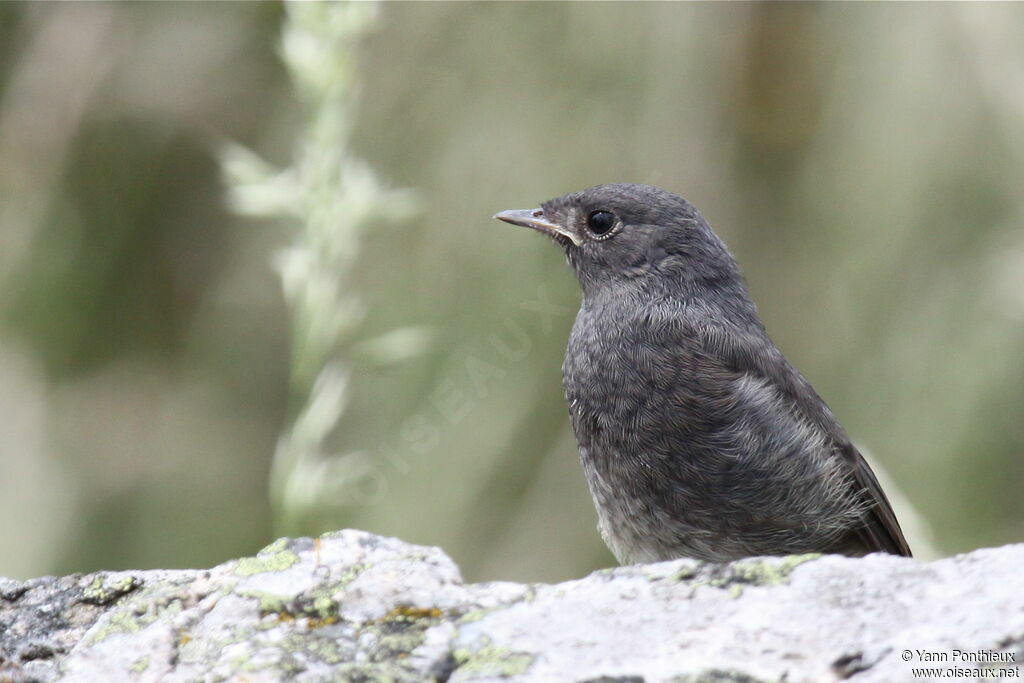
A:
x: 334, y: 197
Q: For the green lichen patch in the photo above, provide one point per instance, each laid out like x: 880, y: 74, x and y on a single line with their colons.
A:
x: 317, y: 602
x: 140, y: 665
x: 158, y: 602
x: 122, y: 621
x: 758, y: 572
x: 394, y: 645
x: 269, y: 603
x: 275, y: 547
x: 327, y: 649
x: 274, y: 558
x: 492, y: 660
x: 770, y: 573
x: 317, y: 607
x: 375, y: 650
x: 475, y: 615
x: 104, y: 589
x: 686, y: 573
x: 317, y: 611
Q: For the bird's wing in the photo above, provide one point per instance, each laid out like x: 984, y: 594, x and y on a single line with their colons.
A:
x: 751, y: 351
x: 881, y: 530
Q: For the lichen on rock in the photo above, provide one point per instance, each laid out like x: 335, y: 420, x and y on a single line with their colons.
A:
x: 354, y: 606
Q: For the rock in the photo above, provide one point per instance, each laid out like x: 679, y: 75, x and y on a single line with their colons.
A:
x: 352, y: 606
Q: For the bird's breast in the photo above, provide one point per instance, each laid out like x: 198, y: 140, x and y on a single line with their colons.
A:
x: 620, y: 372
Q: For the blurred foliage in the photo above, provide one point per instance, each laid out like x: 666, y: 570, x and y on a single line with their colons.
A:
x: 864, y: 163
x: 337, y: 198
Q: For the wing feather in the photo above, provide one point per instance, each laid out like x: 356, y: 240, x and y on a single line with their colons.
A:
x: 751, y: 351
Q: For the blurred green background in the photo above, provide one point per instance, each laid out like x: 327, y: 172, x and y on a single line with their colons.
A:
x: 863, y: 162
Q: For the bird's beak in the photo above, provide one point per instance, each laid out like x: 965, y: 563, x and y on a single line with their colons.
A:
x: 534, y: 218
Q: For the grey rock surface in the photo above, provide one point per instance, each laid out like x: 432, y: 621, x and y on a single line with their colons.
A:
x: 352, y: 606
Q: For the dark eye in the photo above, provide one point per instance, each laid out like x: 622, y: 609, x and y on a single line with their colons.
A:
x: 600, y: 222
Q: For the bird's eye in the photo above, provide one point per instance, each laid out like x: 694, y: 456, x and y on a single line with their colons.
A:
x: 600, y: 222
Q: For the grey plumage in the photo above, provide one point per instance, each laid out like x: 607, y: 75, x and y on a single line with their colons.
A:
x: 697, y: 437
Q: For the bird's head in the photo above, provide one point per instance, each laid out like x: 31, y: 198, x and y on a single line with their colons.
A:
x: 622, y: 234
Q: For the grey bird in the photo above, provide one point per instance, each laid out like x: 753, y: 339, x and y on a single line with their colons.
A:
x: 697, y: 437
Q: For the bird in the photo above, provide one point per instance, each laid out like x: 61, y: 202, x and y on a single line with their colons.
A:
x: 697, y: 437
